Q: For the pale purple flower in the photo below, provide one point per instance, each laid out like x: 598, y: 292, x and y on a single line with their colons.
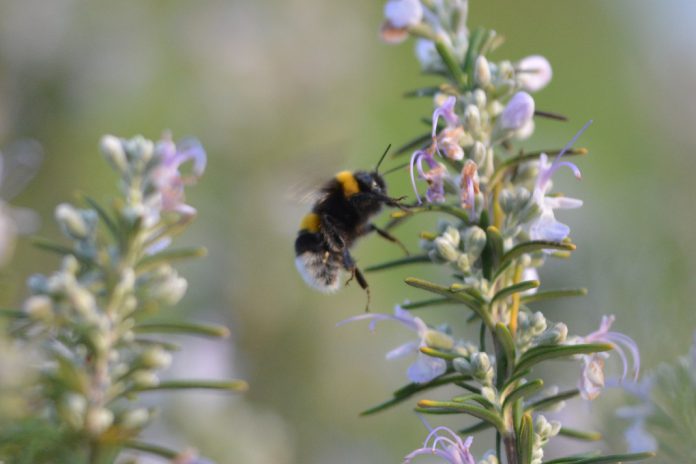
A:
x: 534, y: 73
x: 403, y: 13
x: 399, y: 15
x: 518, y: 112
x: 592, y: 379
x: 434, y: 176
x: 425, y: 368
x: 446, y: 110
x: 166, y: 178
x: 447, y: 141
x: 545, y: 226
x: 446, y: 444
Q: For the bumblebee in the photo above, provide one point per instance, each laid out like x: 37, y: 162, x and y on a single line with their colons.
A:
x: 341, y: 215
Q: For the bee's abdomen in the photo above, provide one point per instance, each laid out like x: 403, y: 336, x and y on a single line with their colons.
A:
x: 319, y: 267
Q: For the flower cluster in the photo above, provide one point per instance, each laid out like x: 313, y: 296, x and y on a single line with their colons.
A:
x: 89, y: 320
x: 501, y: 227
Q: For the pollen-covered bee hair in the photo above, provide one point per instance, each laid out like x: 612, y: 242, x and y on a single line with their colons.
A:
x: 340, y: 216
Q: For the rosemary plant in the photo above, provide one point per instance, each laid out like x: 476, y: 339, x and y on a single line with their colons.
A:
x: 92, y: 326
x: 500, y: 228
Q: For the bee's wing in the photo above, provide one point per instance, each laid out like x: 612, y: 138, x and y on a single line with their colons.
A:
x: 19, y: 164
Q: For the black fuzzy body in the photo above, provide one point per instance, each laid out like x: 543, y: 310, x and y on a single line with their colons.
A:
x: 346, y: 205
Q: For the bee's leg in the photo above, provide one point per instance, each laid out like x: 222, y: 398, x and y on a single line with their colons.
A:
x: 384, y: 234
x: 394, y: 202
x: 356, y: 273
x: 363, y: 284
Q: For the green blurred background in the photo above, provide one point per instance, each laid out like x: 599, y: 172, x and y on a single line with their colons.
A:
x: 282, y: 95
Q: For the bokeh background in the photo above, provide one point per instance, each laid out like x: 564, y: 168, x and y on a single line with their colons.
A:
x: 282, y: 95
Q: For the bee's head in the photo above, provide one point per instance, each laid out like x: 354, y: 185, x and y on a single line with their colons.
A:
x: 371, y: 182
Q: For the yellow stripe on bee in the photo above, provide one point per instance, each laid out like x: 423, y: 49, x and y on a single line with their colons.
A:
x: 348, y: 182
x: 310, y: 223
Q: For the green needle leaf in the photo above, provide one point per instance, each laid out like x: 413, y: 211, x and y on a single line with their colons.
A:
x: 517, y: 288
x: 149, y: 448
x: 170, y: 255
x: 411, y: 389
x: 504, y: 337
x: 432, y: 352
x: 190, y: 328
x: 399, y: 262
x: 522, y: 391
x: 580, y: 435
x: 103, y: 215
x: 543, y: 353
x: 610, y: 459
x: 13, y: 313
x: 412, y: 144
x: 450, y: 61
x: 460, y: 297
x: 553, y: 294
x: 550, y: 401
x: 453, y: 210
x: 425, y: 303
x: 238, y: 386
x: 525, y: 439
x: 530, y: 247
x: 451, y: 407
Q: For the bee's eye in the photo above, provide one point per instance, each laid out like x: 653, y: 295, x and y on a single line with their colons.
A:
x: 375, y: 185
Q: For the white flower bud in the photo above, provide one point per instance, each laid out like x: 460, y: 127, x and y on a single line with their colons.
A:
x: 112, y: 149
x: 489, y: 394
x: 144, y: 378
x: 478, y: 98
x: 135, y: 419
x: 474, y: 241
x: 71, y: 221
x: 452, y: 234
x: 140, y: 149
x: 462, y: 365
x: 98, y: 420
x: 463, y: 263
x: 482, y: 72
x: 507, y: 201
x: 156, y: 358
x: 478, y: 153
x: 71, y: 409
x: 480, y: 361
x: 472, y: 118
x: 446, y: 250
x: 39, y: 308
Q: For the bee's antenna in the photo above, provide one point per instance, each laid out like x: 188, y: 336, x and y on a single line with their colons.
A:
x: 382, y: 158
x: 396, y: 168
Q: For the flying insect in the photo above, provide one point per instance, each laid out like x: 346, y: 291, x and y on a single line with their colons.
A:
x: 340, y: 216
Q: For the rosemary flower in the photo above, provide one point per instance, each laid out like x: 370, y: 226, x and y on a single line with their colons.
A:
x: 425, y: 368
x: 592, y: 379
x: 398, y: 16
x: 534, y: 73
x: 446, y: 444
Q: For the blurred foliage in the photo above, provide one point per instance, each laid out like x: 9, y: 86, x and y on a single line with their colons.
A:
x: 283, y: 94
